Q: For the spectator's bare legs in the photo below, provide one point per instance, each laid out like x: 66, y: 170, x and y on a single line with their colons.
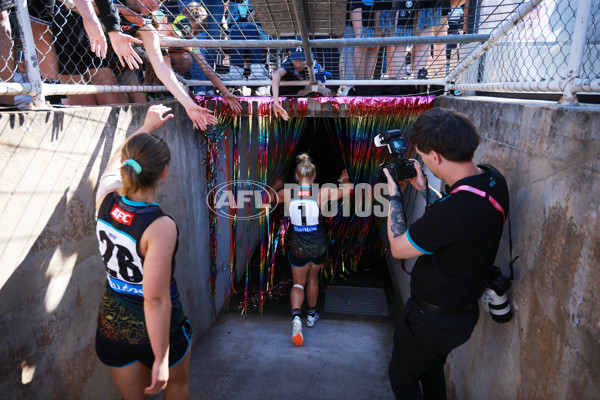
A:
x: 356, y: 17
x: 368, y: 57
x: 422, y: 52
x: 136, y: 97
x: 44, y: 39
x: 77, y: 99
x: 7, y: 61
x: 439, y: 49
x: 396, y: 61
x: 105, y: 76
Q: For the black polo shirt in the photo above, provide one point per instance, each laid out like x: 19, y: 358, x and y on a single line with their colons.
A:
x: 459, y: 235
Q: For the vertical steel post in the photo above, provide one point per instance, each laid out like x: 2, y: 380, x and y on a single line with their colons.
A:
x: 29, y: 52
x: 577, y: 48
x: 301, y: 19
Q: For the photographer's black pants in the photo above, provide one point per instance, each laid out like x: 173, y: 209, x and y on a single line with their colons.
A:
x: 422, y: 341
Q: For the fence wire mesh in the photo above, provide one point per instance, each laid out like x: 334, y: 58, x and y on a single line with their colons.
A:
x: 432, y: 38
x: 537, y: 49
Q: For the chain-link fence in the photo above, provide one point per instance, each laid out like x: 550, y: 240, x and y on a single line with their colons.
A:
x: 248, y: 45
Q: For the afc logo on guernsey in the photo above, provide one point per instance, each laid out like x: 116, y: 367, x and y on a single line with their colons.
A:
x: 121, y: 216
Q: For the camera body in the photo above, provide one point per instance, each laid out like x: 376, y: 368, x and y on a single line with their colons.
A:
x: 400, y: 168
x: 495, y: 299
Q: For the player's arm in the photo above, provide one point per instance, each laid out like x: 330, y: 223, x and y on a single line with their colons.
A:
x: 159, y: 240
x: 110, y: 179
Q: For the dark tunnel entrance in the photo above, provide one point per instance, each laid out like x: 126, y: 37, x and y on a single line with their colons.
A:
x: 359, y: 290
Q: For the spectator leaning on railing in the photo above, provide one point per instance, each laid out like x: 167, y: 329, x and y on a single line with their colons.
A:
x: 78, y: 64
x: 201, y: 117
x: 183, y: 29
x: 197, y: 16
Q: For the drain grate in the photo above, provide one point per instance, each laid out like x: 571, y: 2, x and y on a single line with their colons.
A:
x: 356, y: 300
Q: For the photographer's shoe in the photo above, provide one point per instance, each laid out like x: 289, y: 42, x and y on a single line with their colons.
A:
x: 311, y: 320
x: 297, y: 337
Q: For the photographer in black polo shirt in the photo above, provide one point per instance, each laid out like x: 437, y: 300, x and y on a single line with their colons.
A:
x: 456, y: 241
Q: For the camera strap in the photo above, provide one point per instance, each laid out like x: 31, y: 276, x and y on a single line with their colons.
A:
x: 499, y: 208
x: 481, y: 193
x: 512, y: 260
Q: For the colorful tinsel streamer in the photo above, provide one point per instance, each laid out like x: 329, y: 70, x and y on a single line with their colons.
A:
x: 357, y: 121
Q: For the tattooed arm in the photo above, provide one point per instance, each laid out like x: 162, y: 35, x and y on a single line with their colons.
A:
x: 400, y: 246
x: 431, y: 195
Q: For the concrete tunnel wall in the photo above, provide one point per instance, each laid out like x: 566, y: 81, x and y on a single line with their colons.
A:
x: 51, y: 280
x: 550, y: 156
x: 51, y: 277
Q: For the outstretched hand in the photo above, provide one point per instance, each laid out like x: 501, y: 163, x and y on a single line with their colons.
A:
x: 201, y: 117
x: 344, y: 178
x: 234, y: 103
x: 121, y: 44
x: 98, y: 43
x: 156, y: 117
x: 278, y: 111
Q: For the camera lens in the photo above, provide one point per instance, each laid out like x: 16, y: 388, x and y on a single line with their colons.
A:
x: 498, y: 306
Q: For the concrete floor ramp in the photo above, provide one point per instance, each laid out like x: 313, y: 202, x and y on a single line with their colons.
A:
x: 253, y: 357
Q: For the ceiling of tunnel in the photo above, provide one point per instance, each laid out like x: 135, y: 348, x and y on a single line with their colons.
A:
x: 323, y: 17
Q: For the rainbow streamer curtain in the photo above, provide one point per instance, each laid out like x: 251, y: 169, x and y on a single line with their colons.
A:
x: 356, y: 121
x: 212, y: 139
x: 354, y: 134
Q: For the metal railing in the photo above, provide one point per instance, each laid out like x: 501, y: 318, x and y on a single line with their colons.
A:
x: 545, y: 46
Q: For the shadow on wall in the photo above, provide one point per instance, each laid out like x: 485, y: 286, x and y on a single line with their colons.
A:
x: 49, y: 303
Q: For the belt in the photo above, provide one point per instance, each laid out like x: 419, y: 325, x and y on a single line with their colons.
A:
x: 430, y: 307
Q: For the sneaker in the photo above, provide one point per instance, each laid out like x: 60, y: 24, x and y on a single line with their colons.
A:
x: 297, y: 337
x: 311, y: 320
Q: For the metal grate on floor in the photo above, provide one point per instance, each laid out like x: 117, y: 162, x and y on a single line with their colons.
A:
x: 356, y: 300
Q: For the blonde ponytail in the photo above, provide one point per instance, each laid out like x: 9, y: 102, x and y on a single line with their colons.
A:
x: 305, y: 168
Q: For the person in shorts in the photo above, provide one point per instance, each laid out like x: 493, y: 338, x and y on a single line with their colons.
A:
x: 142, y: 334
x: 308, y: 242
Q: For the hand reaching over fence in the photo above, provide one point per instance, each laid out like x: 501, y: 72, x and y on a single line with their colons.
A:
x: 121, y: 44
x: 92, y: 27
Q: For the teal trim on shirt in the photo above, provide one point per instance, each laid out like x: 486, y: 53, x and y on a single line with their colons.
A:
x: 416, y: 245
x: 136, y: 203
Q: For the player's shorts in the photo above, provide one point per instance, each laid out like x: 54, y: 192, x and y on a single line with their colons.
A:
x: 298, y: 262
x: 41, y: 11
x: 306, y: 250
x: 119, y: 355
